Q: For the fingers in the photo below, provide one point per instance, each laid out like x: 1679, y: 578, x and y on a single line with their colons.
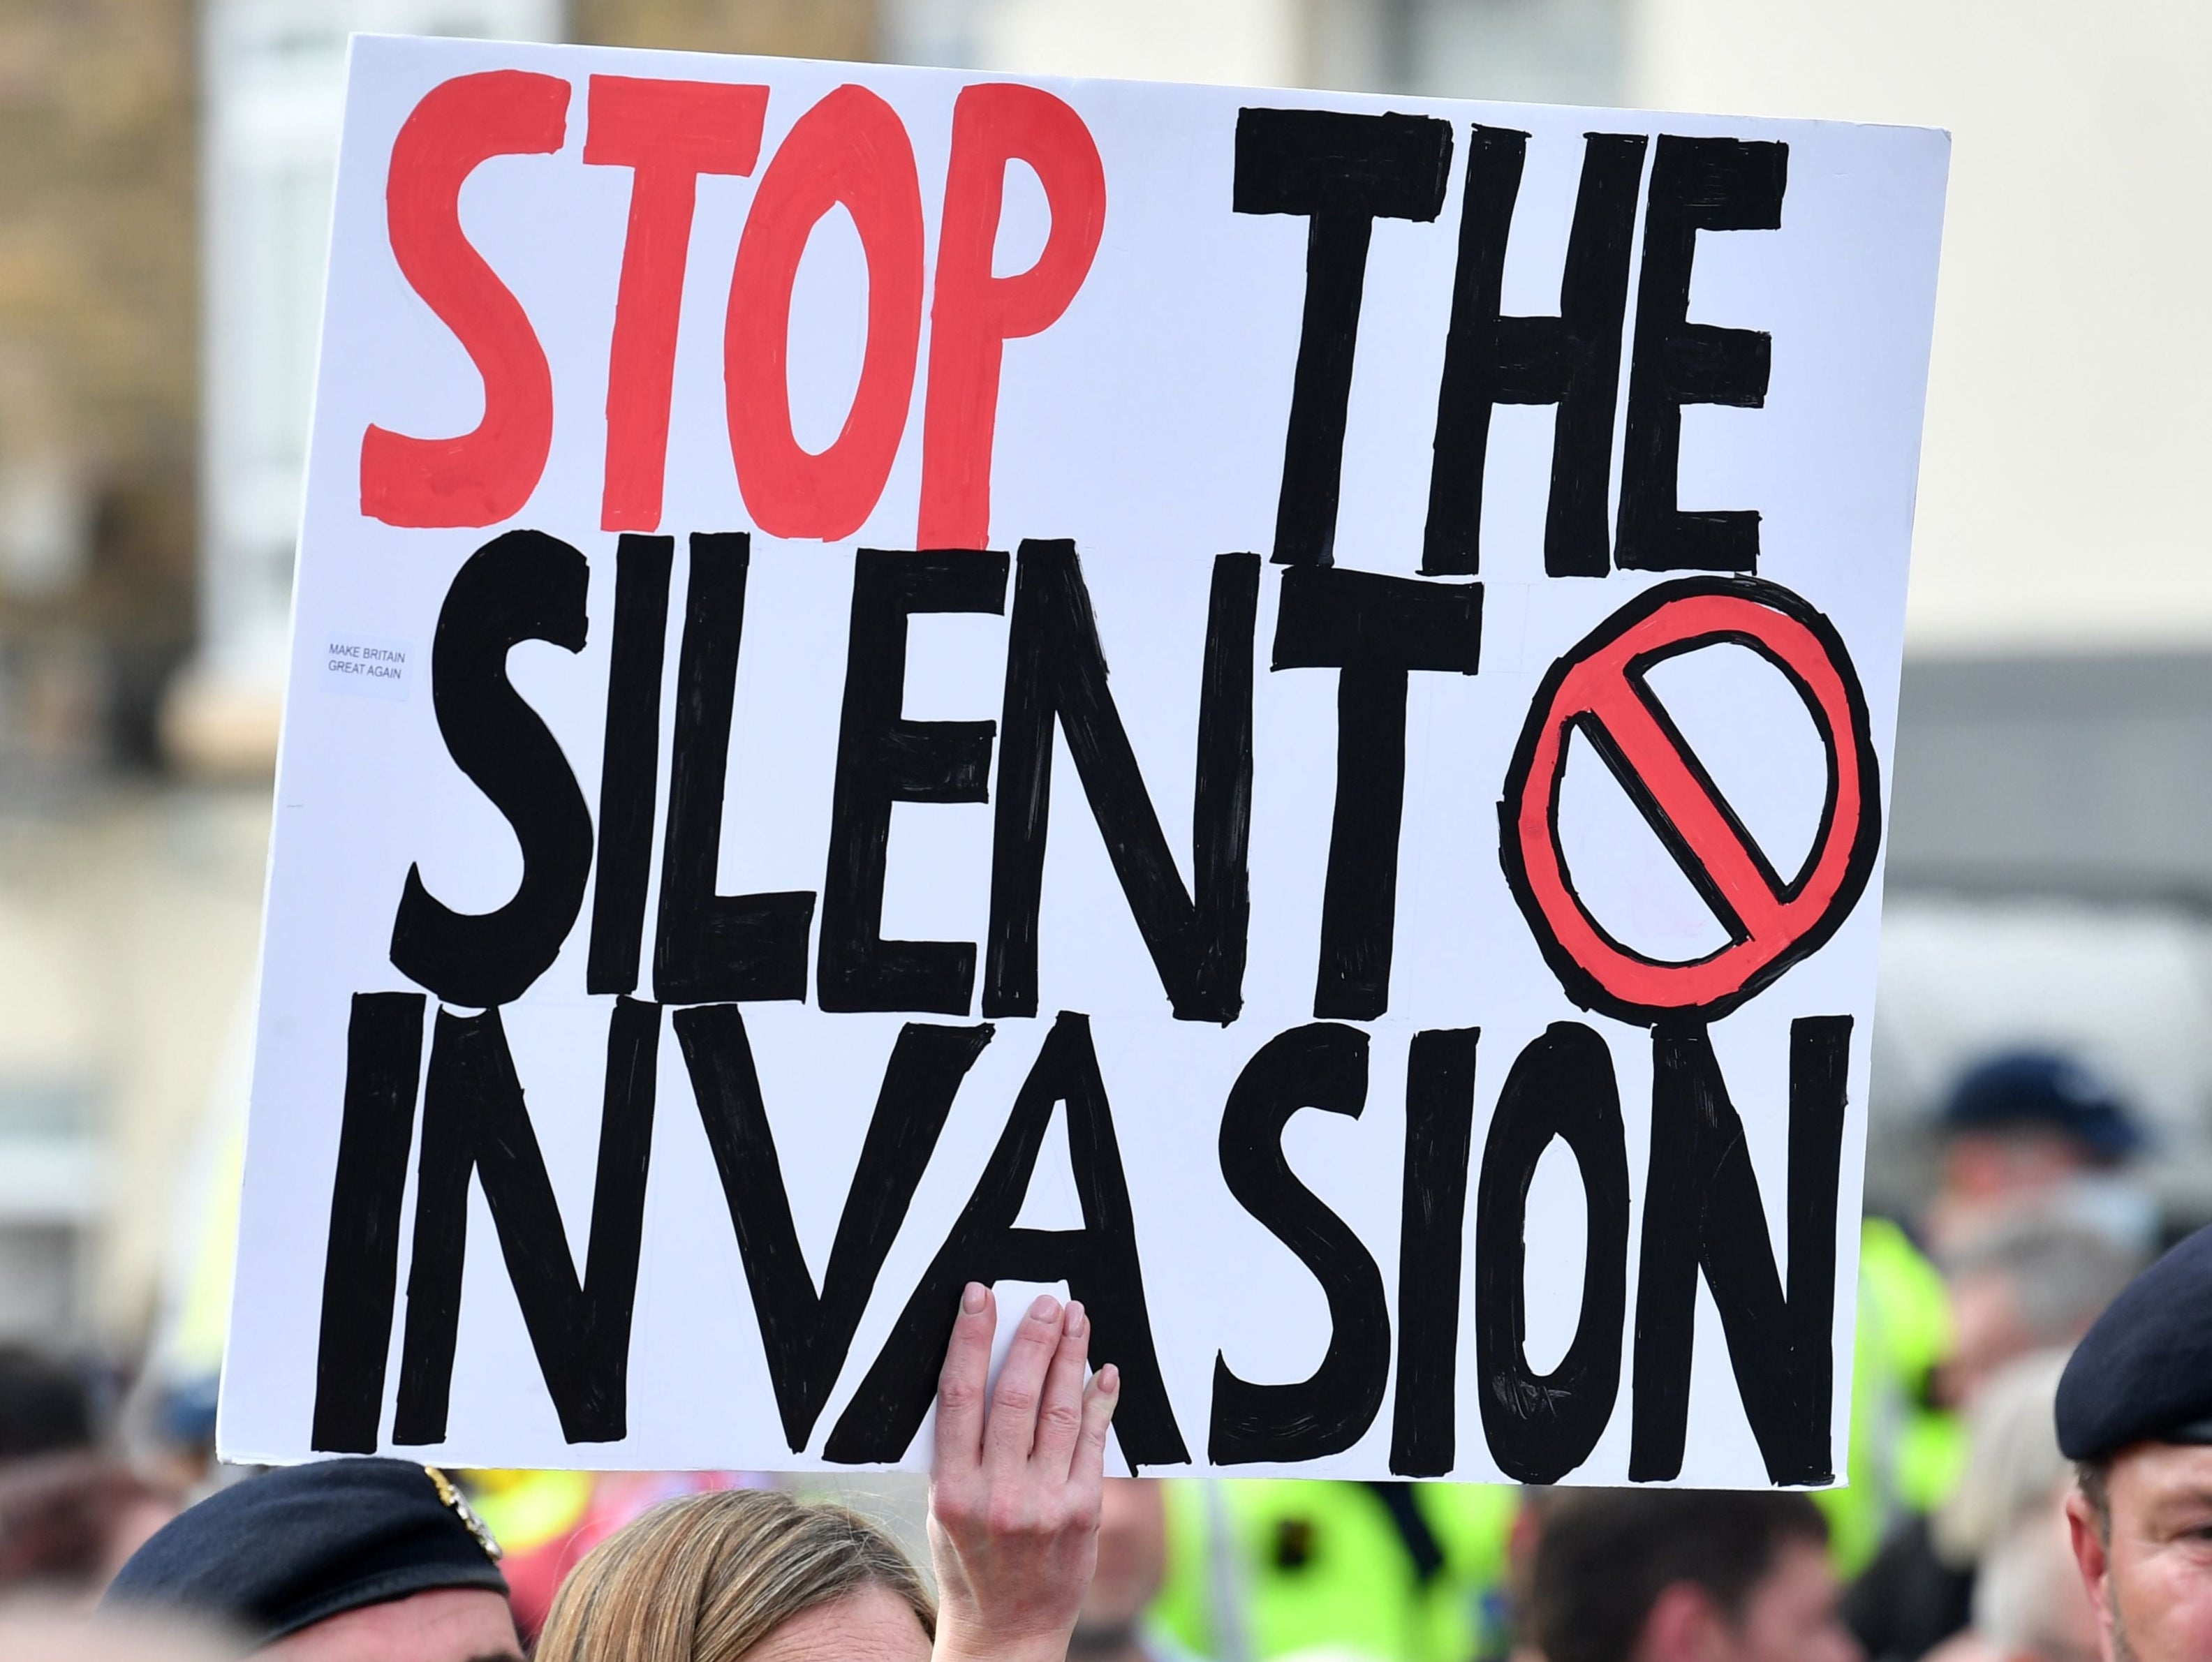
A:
x: 1098, y: 1405
x: 1060, y: 1415
x: 1012, y: 1431
x: 1015, y: 1538
x: 960, y: 1384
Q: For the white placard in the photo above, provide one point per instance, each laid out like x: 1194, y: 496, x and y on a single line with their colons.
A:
x: 1354, y: 846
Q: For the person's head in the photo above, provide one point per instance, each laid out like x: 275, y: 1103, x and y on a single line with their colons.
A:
x: 1132, y: 1563
x: 2025, y: 1282
x: 1685, y: 1575
x: 68, y: 1521
x: 2135, y: 1415
x: 2005, y: 1520
x: 2013, y: 1466
x: 2027, y: 1603
x: 45, y: 1405
x: 32, y: 1633
x: 2020, y: 1124
x: 342, y: 1561
x: 743, y: 1573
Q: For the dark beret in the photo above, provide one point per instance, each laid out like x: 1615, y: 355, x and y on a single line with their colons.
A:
x: 2143, y: 1373
x: 290, y: 1547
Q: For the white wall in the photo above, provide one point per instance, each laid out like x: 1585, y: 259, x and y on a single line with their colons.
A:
x: 2069, y: 433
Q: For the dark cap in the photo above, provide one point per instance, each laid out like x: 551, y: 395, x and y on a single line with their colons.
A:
x: 289, y: 1548
x: 2143, y: 1373
x: 2042, y: 1088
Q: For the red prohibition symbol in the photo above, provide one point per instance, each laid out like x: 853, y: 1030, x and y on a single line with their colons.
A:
x: 1600, y: 689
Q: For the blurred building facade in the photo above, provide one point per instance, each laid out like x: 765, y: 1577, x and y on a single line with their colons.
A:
x: 99, y: 311
x: 99, y: 324
x: 164, y: 178
x: 164, y: 196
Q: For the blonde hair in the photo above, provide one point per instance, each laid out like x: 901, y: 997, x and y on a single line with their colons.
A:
x: 706, y: 1578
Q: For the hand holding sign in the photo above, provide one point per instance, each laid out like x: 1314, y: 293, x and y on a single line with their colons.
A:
x: 1013, y: 1499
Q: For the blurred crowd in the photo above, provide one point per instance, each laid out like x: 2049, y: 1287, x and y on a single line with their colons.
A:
x: 1949, y: 1540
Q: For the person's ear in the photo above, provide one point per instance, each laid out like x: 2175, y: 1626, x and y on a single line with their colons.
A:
x: 1685, y: 1625
x: 2093, y: 1554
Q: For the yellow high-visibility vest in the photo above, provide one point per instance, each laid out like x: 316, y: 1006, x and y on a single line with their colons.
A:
x: 1259, y: 1568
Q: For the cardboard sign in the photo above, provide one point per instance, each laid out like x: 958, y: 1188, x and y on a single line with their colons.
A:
x: 1269, y: 708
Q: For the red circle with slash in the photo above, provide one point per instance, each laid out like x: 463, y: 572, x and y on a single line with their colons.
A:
x: 1600, y: 689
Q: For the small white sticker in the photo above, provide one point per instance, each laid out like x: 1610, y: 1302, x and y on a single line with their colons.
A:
x: 369, y: 666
